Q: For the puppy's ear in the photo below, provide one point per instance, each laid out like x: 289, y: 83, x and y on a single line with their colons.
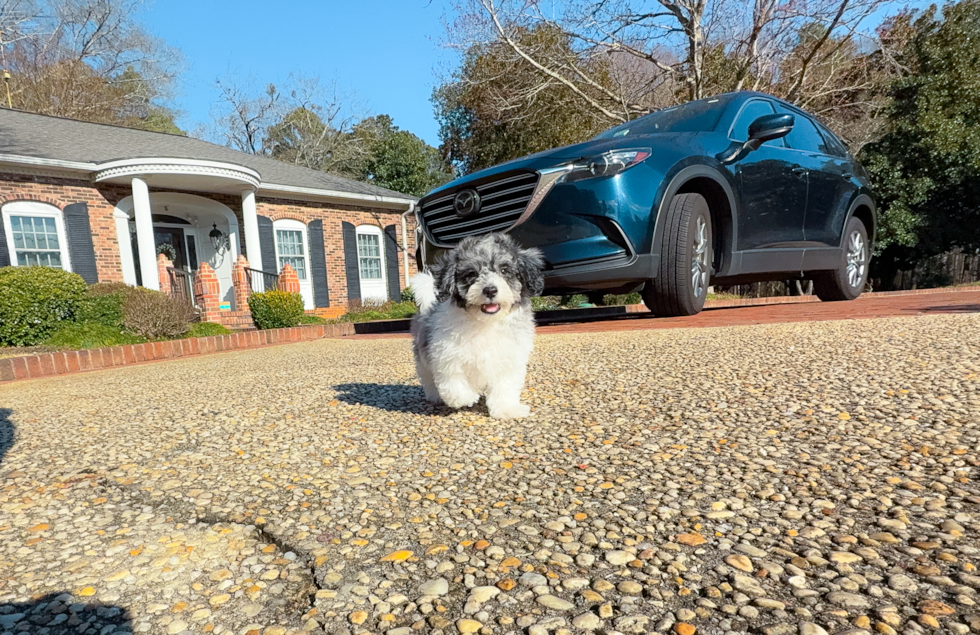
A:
x: 443, y: 271
x: 529, y: 264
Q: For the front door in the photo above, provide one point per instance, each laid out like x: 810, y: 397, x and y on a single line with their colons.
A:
x: 174, y: 237
x: 370, y: 263
x: 773, y: 188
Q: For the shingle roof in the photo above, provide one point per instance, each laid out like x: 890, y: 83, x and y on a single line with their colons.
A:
x: 46, y: 137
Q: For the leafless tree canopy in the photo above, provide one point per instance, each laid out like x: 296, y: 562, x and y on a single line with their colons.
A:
x: 84, y: 59
x: 312, y: 124
x: 628, y: 57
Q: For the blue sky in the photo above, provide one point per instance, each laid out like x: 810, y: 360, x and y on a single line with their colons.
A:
x: 385, y: 52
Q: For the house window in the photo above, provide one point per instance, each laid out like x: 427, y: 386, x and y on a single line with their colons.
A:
x: 35, y: 235
x: 369, y: 256
x: 291, y: 246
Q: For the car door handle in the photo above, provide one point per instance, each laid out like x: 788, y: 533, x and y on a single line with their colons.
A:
x: 800, y: 171
x: 846, y: 175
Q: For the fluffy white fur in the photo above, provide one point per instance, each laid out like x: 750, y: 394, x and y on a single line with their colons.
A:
x: 461, y: 350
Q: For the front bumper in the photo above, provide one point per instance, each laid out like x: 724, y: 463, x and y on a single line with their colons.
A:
x: 594, y: 233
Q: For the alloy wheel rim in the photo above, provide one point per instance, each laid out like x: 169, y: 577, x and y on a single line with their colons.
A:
x: 699, y: 262
x: 857, y: 259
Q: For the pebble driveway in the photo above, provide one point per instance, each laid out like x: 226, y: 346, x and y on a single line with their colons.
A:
x: 789, y: 478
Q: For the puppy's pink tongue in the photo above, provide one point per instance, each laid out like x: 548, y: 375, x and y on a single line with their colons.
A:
x: 490, y: 308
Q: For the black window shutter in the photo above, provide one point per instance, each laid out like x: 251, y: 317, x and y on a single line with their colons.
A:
x: 391, y: 258
x: 318, y: 264
x: 350, y: 262
x: 4, y: 256
x: 267, y: 245
x: 80, y: 246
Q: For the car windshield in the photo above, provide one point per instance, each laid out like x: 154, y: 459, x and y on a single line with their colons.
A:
x: 695, y: 116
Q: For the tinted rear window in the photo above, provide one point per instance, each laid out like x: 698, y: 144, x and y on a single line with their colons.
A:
x: 695, y: 116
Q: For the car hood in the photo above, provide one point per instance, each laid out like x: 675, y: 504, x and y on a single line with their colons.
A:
x: 565, y: 154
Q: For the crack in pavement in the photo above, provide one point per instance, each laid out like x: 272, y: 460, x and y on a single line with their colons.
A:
x: 178, y: 508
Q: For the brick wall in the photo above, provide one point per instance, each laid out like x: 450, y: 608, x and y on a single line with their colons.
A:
x: 333, y: 216
x: 61, y: 192
x: 102, y: 199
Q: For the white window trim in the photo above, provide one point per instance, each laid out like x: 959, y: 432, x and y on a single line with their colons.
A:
x: 292, y: 225
x: 37, y: 210
x: 373, y: 230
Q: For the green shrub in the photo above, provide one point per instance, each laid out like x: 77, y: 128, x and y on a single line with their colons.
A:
x: 155, y: 315
x: 108, y: 288
x: 368, y: 311
x: 101, y: 309
x: 206, y: 329
x: 546, y: 303
x: 574, y: 301
x: 35, y: 301
x: 408, y: 294
x: 306, y: 318
x: 276, y: 309
x: 91, y: 335
x: 621, y: 299
x: 103, y: 304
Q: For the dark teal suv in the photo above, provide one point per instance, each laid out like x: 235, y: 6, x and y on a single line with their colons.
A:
x: 741, y: 187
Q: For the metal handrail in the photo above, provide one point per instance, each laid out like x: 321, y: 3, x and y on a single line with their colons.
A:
x: 259, y: 281
x: 181, y: 284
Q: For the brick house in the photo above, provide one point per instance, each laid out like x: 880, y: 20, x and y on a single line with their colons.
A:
x: 104, y: 201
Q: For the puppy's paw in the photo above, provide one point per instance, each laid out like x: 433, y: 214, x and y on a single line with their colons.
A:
x: 460, y: 397
x: 510, y: 411
x: 433, y: 397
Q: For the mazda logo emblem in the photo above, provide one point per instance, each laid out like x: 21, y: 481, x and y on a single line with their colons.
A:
x: 466, y: 203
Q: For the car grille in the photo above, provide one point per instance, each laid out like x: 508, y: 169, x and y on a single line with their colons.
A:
x: 502, y: 202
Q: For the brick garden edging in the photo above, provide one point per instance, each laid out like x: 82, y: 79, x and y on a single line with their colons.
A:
x: 65, y: 362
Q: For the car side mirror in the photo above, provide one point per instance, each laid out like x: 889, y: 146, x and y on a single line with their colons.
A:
x: 769, y: 127
x: 765, y: 128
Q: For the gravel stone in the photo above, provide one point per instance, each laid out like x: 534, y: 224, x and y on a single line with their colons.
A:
x: 587, y: 621
x: 816, y: 472
x: 435, y: 588
x: 555, y: 603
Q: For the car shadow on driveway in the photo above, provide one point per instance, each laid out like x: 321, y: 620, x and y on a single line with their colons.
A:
x: 6, y: 432
x: 390, y: 397
x: 63, y: 616
x: 962, y: 308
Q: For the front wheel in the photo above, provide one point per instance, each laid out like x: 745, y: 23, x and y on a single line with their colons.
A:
x: 848, y: 280
x: 681, y: 285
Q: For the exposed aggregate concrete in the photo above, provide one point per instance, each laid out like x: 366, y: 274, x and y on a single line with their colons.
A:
x: 799, y: 478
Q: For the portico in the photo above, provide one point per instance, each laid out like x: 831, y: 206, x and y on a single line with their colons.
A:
x: 145, y: 215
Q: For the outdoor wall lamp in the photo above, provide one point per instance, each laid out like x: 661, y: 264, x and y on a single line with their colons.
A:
x: 217, y: 238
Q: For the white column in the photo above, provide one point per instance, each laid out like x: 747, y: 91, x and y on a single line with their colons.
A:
x: 251, y: 221
x: 125, y: 247
x: 144, y: 234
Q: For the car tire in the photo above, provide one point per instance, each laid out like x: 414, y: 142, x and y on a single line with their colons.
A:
x: 848, y: 280
x: 686, y: 255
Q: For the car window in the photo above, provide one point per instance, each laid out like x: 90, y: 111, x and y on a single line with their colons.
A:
x: 694, y: 116
x: 835, y: 145
x: 804, y: 135
x: 751, y: 111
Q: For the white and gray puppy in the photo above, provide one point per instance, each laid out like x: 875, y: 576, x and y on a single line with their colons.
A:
x: 474, y: 330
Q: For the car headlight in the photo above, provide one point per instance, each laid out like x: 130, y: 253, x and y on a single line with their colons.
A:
x: 606, y: 164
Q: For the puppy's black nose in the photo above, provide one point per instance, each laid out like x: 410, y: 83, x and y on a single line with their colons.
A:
x: 490, y: 292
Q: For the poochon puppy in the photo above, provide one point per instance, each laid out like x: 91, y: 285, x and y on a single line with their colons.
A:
x: 474, y: 330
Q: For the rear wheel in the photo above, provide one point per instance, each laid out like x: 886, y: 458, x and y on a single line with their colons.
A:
x: 686, y: 252
x: 848, y: 280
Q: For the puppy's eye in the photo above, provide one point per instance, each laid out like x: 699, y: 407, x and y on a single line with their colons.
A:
x: 506, y: 270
